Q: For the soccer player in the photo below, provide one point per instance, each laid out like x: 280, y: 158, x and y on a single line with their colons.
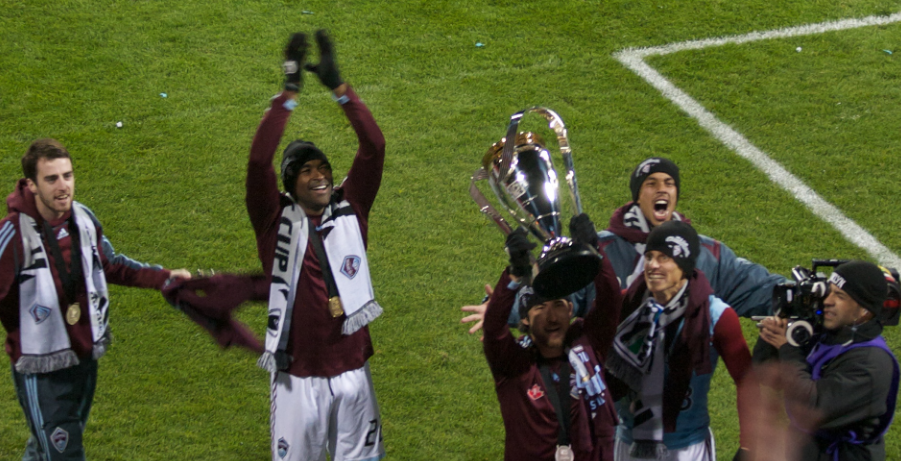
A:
x: 550, y: 384
x: 665, y: 352
x: 311, y: 239
x: 54, y: 303
x: 849, y: 380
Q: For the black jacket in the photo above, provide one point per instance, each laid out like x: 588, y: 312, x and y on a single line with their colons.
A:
x: 850, y: 394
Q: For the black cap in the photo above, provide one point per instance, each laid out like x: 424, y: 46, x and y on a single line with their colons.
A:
x: 649, y: 167
x: 529, y: 299
x: 296, y: 154
x: 864, y: 282
x: 678, y: 240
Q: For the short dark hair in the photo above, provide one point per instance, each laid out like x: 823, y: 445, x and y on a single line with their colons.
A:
x: 47, y: 148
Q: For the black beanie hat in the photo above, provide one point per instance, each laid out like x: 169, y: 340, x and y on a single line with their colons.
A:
x: 864, y: 282
x: 649, y: 167
x: 678, y: 240
x: 528, y: 299
x: 296, y: 154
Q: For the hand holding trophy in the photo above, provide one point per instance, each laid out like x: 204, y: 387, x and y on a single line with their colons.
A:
x: 520, y: 172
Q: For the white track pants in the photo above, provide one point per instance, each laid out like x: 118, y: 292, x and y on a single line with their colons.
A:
x: 701, y: 451
x: 338, y: 414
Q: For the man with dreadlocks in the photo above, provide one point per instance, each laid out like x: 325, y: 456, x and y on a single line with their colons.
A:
x: 311, y: 239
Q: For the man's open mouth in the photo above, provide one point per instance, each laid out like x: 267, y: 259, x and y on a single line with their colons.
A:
x: 661, y: 205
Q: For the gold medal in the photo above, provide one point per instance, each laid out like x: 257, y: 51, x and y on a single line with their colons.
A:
x: 73, y: 313
x: 334, y: 306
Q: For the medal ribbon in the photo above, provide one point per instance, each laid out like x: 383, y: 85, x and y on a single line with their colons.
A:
x: 69, y: 278
x: 316, y: 242
x: 559, y: 401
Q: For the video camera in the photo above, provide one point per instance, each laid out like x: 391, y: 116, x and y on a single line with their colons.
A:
x: 801, y: 301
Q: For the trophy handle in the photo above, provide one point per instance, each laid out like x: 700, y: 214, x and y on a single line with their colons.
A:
x: 555, y: 123
x: 483, y: 203
x: 489, y: 210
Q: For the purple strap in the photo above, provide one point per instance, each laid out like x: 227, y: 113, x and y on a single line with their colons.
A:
x: 819, y: 357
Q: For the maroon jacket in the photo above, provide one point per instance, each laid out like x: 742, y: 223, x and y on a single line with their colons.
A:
x: 23, y: 201
x: 316, y: 344
x: 529, y: 418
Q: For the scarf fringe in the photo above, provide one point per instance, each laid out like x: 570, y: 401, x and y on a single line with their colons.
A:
x: 625, y: 371
x: 30, y: 364
x: 359, y: 319
x: 100, y: 347
x: 648, y: 449
x: 267, y: 362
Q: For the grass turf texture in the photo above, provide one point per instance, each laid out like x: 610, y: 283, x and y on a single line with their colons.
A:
x: 168, y: 185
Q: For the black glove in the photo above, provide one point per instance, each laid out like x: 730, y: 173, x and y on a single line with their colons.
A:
x: 295, y: 55
x: 582, y: 230
x: 327, y: 69
x: 519, y: 249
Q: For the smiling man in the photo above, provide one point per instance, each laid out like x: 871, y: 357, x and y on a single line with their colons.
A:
x: 54, y: 304
x: 311, y: 239
x: 665, y: 352
x: 550, y: 383
x: 849, y: 380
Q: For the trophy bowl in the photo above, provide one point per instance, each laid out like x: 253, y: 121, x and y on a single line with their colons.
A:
x: 564, y: 268
x: 523, y: 178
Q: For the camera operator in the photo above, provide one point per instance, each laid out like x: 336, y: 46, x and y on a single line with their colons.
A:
x: 849, y: 379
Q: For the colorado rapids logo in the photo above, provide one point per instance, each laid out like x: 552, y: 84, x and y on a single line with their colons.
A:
x: 39, y: 312
x: 351, y: 266
x: 646, y: 166
x: 60, y: 439
x: 282, y: 447
x: 679, y: 246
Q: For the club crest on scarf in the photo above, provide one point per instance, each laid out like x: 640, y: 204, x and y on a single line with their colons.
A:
x: 282, y: 447
x: 535, y: 392
x: 351, y: 266
x: 60, y: 439
x: 679, y: 246
x: 39, y: 312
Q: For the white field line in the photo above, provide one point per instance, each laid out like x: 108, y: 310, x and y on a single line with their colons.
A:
x: 633, y: 58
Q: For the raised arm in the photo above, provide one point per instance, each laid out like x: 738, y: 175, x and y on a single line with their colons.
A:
x: 747, y: 287
x: 262, y: 197
x: 505, y: 356
x: 604, y: 316
x: 365, y: 175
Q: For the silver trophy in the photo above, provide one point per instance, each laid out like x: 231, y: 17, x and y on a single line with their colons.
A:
x: 522, y: 176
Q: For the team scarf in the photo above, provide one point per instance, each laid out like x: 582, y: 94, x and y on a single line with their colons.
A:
x: 44, y: 340
x: 639, y: 360
x: 346, y: 254
x: 588, y: 376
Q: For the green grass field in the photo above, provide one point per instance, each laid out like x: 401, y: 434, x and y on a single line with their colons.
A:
x: 169, y: 185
